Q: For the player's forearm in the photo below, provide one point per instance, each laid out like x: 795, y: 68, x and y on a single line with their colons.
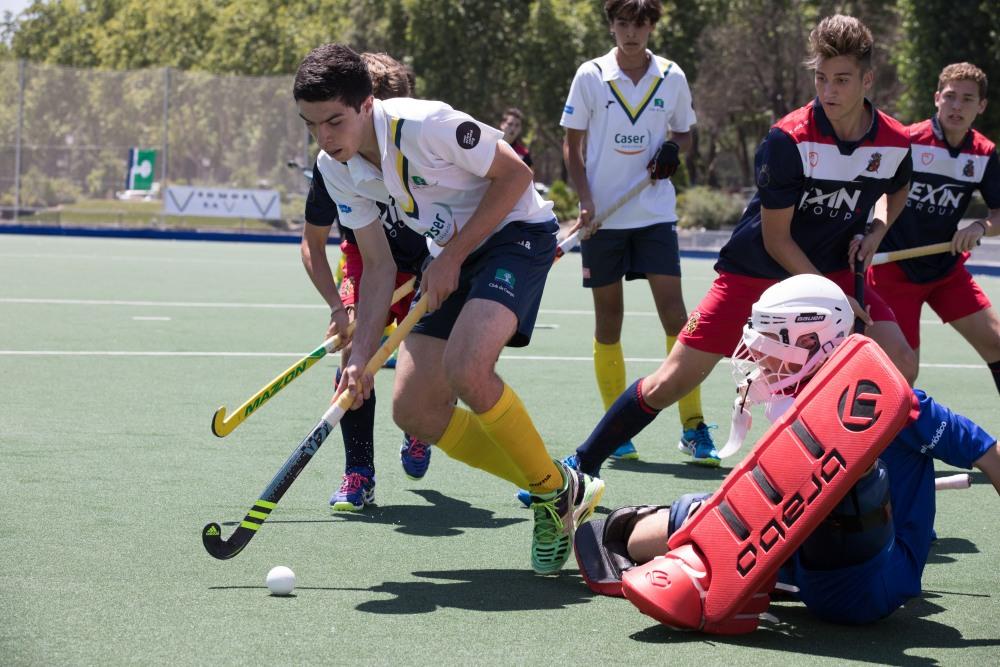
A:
x: 499, y: 199
x: 374, y: 301
x: 989, y: 463
x: 992, y: 223
x: 890, y: 206
x: 682, y: 139
x: 778, y: 241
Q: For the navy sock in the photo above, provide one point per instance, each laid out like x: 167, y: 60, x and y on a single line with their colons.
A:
x: 358, y: 429
x: 995, y: 369
x: 626, y: 417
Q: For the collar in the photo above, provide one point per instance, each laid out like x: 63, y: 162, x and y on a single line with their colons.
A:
x: 826, y: 128
x: 938, y: 131
x: 359, y: 168
x: 608, y: 65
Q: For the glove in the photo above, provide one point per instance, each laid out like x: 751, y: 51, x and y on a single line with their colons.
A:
x: 665, y: 161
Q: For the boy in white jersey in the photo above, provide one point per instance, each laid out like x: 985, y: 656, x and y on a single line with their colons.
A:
x: 621, y: 108
x: 493, y: 239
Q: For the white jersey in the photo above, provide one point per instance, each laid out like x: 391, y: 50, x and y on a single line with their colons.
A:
x: 433, y: 161
x: 625, y: 124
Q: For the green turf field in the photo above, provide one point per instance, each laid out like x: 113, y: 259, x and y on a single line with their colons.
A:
x: 114, y: 356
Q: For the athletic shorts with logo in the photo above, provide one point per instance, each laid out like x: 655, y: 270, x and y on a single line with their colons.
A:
x: 351, y: 284
x: 510, y: 268
x: 953, y: 296
x: 716, y: 324
x: 611, y: 254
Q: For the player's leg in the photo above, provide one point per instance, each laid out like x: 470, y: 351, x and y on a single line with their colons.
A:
x: 654, y: 251
x: 424, y: 406
x: 904, y: 297
x: 885, y: 330
x: 963, y: 304
x: 357, y: 487
x: 605, y: 262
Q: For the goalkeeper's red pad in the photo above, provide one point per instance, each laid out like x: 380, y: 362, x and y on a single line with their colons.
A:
x: 799, y: 471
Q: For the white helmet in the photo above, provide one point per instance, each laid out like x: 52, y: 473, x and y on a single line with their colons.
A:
x: 772, y: 353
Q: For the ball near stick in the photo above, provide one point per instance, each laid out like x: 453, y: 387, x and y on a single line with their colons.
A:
x: 280, y: 580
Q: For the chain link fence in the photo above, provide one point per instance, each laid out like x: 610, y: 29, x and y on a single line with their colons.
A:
x: 65, y: 134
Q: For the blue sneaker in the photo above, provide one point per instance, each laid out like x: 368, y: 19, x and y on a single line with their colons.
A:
x: 356, y: 491
x: 572, y: 462
x: 625, y: 452
x: 697, y: 443
x: 415, y: 455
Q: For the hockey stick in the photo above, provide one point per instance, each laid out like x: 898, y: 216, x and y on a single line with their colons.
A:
x: 223, y: 425
x: 211, y: 534
x: 962, y: 480
x: 859, y: 292
x: 910, y: 253
x: 573, y: 239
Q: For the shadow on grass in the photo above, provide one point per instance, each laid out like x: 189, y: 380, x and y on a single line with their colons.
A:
x: 680, y: 470
x: 798, y: 631
x: 944, y: 546
x: 443, y: 517
x: 476, y: 590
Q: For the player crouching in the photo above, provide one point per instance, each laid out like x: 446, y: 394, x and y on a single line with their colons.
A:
x: 811, y: 506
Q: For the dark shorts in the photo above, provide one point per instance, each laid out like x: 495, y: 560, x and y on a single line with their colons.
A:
x: 716, y: 324
x: 613, y: 254
x: 510, y: 269
x: 351, y: 284
x: 953, y: 296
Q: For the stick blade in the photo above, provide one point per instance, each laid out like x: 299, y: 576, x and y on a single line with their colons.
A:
x: 220, y: 428
x: 211, y: 537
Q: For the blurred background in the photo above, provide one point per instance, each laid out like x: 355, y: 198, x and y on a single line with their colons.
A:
x: 203, y: 87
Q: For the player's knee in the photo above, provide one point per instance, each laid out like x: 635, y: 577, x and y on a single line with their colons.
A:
x: 857, y: 529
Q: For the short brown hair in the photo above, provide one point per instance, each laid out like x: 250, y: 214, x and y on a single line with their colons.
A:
x: 390, y: 78
x: 963, y: 72
x: 639, y: 11
x: 512, y: 111
x: 333, y: 72
x: 841, y: 35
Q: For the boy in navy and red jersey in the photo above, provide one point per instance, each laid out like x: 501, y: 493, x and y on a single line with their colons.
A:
x: 950, y: 161
x: 820, y: 172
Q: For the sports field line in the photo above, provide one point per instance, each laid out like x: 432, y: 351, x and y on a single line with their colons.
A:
x: 503, y: 357
x: 140, y: 258
x: 272, y: 306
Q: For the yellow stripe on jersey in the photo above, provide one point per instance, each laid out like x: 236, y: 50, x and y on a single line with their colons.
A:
x: 633, y: 113
x: 403, y: 167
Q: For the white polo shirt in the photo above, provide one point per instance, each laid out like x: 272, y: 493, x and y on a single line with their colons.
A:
x: 433, y: 162
x: 625, y: 124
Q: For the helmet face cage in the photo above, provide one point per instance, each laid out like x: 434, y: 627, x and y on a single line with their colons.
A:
x: 792, y: 330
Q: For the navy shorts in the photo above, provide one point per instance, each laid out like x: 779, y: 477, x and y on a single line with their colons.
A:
x: 510, y: 268
x: 611, y: 254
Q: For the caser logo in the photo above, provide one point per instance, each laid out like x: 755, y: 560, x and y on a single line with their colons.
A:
x: 858, y: 406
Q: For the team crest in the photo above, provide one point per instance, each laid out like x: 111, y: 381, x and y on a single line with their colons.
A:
x: 874, y: 162
x: 813, y: 158
x: 969, y: 170
x: 692, y: 322
x: 926, y: 158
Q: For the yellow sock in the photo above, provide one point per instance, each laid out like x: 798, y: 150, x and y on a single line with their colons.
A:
x: 465, y: 440
x: 512, y: 430
x: 609, y: 367
x: 690, y: 405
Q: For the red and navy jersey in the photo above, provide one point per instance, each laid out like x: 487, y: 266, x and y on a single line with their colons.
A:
x: 522, y: 151
x: 944, y: 178
x: 832, y: 184
x: 409, y: 249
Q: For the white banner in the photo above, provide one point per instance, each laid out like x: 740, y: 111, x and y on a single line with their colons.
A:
x: 222, y: 202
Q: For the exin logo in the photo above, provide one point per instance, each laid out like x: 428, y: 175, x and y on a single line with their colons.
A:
x: 504, y: 276
x: 861, y: 412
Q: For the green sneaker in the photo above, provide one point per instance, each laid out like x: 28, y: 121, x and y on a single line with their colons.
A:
x: 557, y: 517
